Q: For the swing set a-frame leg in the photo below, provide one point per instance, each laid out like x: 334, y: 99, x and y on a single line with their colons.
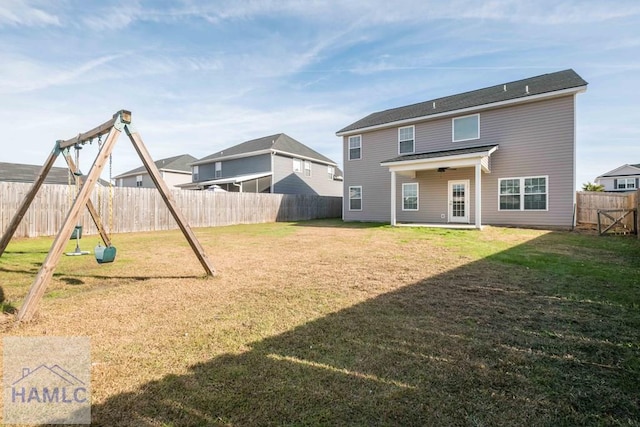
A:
x: 121, y: 121
x: 45, y: 273
x: 24, y: 207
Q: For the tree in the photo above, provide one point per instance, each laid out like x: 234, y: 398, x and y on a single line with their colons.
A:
x: 589, y: 186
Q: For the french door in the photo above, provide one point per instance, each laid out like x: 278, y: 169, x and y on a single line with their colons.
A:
x: 459, y: 201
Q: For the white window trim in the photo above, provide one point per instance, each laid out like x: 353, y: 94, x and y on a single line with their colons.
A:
x: 349, y: 147
x: 299, y: 161
x: 453, y: 128
x: 305, y: 168
x: 138, y: 180
x: 331, y: 172
x: 217, y: 168
x: 522, y: 194
x: 349, y: 197
x: 626, y: 184
x: 413, y: 139
x: 417, y: 196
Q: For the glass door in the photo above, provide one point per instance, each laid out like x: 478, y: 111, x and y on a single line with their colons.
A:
x: 459, y: 201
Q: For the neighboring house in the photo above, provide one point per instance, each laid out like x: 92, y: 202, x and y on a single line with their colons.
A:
x: 17, y: 172
x: 502, y: 155
x: 624, y: 178
x: 271, y: 164
x: 174, y: 170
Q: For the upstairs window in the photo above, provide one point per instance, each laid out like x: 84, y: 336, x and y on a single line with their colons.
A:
x: 195, y: 172
x: 466, y: 128
x: 218, y: 170
x: 355, y: 147
x: 297, y: 165
x: 307, y: 168
x: 138, y: 180
x: 406, y: 142
x: 331, y: 171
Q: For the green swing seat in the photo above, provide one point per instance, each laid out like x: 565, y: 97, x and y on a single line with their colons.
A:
x: 105, y: 254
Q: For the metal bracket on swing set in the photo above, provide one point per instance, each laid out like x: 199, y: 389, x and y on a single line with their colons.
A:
x: 120, y: 122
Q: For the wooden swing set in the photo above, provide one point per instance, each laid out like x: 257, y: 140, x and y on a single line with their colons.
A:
x: 120, y: 122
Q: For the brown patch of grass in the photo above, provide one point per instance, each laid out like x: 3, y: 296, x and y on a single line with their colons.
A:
x: 328, y: 323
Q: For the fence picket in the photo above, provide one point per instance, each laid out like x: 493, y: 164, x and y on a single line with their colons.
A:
x: 142, y: 209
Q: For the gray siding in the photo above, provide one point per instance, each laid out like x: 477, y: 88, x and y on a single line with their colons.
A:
x: 535, y: 139
x: 236, y: 167
x: 287, y: 181
x: 170, y: 178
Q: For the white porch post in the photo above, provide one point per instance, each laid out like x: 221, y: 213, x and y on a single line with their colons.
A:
x: 393, y: 198
x: 478, y: 196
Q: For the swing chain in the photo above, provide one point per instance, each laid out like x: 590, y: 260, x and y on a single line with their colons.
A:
x: 110, y: 193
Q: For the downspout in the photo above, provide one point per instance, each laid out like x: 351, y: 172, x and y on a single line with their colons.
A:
x: 273, y: 153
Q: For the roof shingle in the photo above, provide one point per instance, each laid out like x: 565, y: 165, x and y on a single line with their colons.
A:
x: 545, y: 83
x: 175, y: 163
x: 279, y: 142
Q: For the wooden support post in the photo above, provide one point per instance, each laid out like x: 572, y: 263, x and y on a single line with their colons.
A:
x: 95, y: 216
x: 45, y: 273
x: 154, y: 173
x: 22, y: 210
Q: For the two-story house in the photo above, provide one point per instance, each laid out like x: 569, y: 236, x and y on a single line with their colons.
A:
x: 175, y: 170
x: 623, y: 178
x: 502, y: 155
x: 271, y: 164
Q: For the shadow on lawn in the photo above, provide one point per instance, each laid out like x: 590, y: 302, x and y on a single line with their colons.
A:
x: 489, y: 343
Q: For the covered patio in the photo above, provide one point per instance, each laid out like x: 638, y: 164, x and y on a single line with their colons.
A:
x: 472, y: 157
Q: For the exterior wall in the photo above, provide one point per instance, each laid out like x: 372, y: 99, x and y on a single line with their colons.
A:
x: 535, y: 139
x: 170, y: 178
x: 627, y: 171
x: 610, y: 182
x: 287, y: 181
x: 236, y: 167
x: 173, y: 178
x: 433, y: 195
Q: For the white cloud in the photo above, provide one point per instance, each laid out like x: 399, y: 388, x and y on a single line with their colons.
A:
x: 21, y: 74
x: 16, y: 13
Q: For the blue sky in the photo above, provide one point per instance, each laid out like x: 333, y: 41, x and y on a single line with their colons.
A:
x: 200, y: 76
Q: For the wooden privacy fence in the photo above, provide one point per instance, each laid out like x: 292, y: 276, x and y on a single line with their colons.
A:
x: 588, y: 204
x: 142, y: 209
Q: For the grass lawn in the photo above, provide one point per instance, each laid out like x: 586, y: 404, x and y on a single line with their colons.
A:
x: 325, y: 323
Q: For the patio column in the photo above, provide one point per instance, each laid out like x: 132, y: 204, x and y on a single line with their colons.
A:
x: 393, y: 198
x: 478, y: 196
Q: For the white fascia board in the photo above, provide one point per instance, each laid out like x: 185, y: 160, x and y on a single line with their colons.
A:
x: 235, y: 156
x: 176, y: 171
x: 298, y: 156
x: 130, y: 174
x: 460, y: 160
x: 477, y: 108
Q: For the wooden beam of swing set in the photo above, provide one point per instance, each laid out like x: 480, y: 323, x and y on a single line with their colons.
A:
x: 121, y: 121
x: 95, y: 216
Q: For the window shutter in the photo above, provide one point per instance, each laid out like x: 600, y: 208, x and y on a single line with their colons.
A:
x: 615, y: 184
